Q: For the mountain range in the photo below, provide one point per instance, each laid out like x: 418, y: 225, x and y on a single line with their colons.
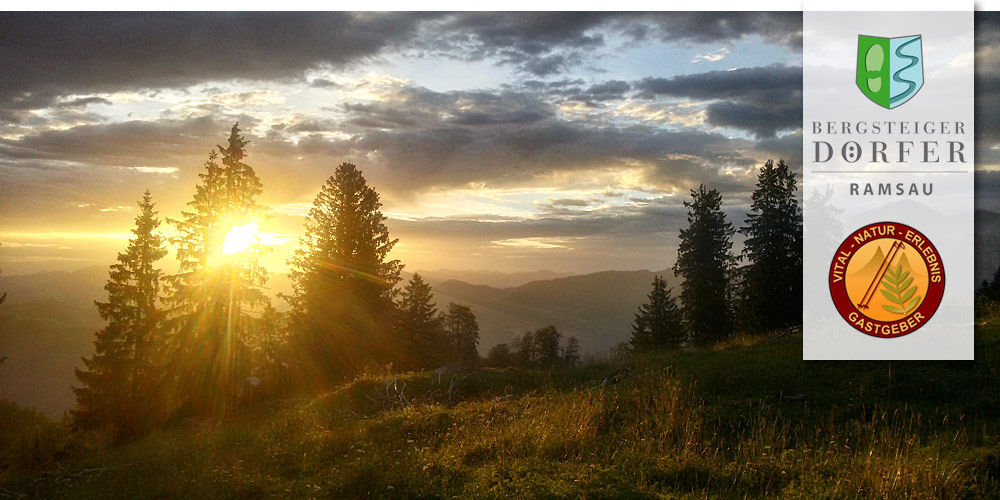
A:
x: 49, y: 319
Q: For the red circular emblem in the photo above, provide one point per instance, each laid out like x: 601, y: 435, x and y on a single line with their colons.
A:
x: 887, y: 279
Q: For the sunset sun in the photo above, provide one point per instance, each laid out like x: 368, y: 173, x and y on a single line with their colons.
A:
x: 240, y: 238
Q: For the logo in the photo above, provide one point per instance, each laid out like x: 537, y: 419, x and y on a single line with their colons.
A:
x: 890, y: 70
x: 887, y: 279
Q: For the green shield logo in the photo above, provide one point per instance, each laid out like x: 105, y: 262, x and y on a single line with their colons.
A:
x: 890, y: 70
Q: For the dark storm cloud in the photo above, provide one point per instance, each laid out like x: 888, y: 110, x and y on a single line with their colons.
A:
x: 131, y: 143
x: 737, y: 83
x: 987, y: 87
x: 761, y: 100
x: 76, y: 52
x: 762, y: 118
x: 612, y: 89
x: 576, y: 90
x: 544, y: 44
x: 83, y: 102
x: 787, y: 147
x: 324, y: 83
x: 783, y: 28
x: 415, y: 107
x: 65, y: 53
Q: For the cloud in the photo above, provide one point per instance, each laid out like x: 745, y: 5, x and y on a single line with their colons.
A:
x: 987, y: 85
x: 547, y: 43
x: 87, y: 52
x: 82, y: 102
x: 762, y: 100
x: 714, y: 56
x: 570, y: 144
x: 412, y: 139
x: 569, y: 202
x: 781, y: 28
x: 77, y: 52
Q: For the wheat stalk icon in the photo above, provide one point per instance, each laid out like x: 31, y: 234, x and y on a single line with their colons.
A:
x: 896, y: 287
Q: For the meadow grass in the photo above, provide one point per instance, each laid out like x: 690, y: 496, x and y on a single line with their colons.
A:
x: 744, y: 420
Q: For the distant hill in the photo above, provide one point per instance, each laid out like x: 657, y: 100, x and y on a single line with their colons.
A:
x: 43, y: 341
x: 490, y: 278
x: 75, y: 288
x: 46, y: 325
x: 598, y: 308
x: 48, y: 321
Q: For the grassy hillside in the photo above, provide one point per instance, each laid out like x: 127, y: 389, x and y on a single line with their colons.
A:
x: 749, y: 419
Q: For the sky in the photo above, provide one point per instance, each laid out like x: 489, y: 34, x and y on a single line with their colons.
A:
x: 498, y: 141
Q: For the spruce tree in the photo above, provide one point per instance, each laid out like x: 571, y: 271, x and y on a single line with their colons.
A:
x: 267, y: 342
x: 463, y: 330
x: 120, y: 381
x: 704, y: 261
x: 772, y: 287
x: 419, y: 327
x: 571, y: 351
x: 214, y: 296
x: 989, y: 290
x: 658, y: 324
x: 343, y: 281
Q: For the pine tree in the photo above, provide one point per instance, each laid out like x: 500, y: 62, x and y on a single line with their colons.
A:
x: 704, y: 260
x: 772, y: 288
x: 419, y: 327
x: 463, y: 330
x: 267, y: 342
x: 658, y: 324
x: 989, y: 290
x: 213, y: 296
x: 121, y: 378
x: 343, y: 281
x: 571, y: 351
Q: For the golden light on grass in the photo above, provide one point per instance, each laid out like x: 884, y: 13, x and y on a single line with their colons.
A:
x: 240, y: 238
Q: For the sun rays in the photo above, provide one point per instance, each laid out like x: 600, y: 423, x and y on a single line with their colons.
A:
x: 241, y: 238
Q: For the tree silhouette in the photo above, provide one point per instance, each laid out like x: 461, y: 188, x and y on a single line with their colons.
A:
x: 463, y: 331
x: 659, y: 323
x: 537, y: 349
x: 419, y: 326
x: 267, y: 342
x: 213, y: 294
x: 772, y: 286
x: 343, y: 282
x: 704, y: 260
x: 571, y: 351
x: 120, y: 382
x: 501, y: 355
x: 989, y: 290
